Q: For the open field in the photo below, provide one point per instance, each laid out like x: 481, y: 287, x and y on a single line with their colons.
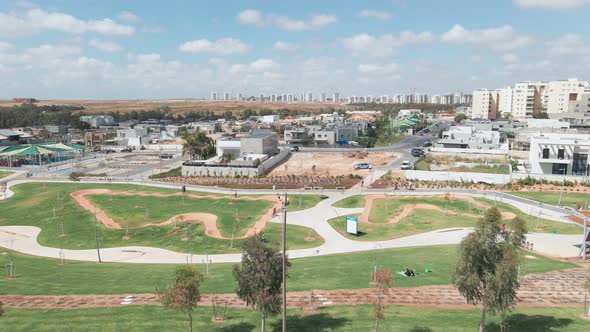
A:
x: 351, y: 202
x: 569, y: 199
x: 4, y: 174
x: 398, y: 216
x: 330, y: 164
x: 78, y: 223
x: 181, y: 105
x: 36, y: 275
x: 336, y: 318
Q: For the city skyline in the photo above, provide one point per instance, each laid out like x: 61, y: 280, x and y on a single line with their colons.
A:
x: 123, y: 50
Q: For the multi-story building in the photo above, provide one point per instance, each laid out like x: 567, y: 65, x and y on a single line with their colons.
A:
x: 559, y: 154
x: 336, y: 97
x: 323, y: 97
x: 96, y: 121
x: 214, y: 96
x: 227, y: 96
x: 308, y: 97
x: 484, y: 104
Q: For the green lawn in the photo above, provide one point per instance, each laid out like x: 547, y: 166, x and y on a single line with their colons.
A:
x: 356, y: 201
x: 131, y: 211
x: 534, y: 224
x: 4, y: 174
x: 336, y: 318
x: 301, y: 202
x: 423, y: 220
x: 570, y: 199
x: 33, y: 205
x: 37, y: 275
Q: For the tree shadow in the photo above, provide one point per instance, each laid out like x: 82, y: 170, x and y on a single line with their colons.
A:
x: 240, y: 327
x: 310, y: 323
x: 421, y: 329
x: 537, y: 323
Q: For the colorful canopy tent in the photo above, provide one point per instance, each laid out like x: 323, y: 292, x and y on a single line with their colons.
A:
x: 37, y: 150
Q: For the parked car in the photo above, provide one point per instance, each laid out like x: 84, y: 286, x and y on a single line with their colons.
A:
x: 406, y: 164
x: 126, y: 150
x: 166, y: 156
x: 427, y: 144
x: 417, y: 152
x: 107, y: 151
x: 362, y: 166
x: 294, y: 148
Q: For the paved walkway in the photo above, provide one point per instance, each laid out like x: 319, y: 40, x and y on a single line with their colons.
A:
x: 24, y: 238
x: 560, y: 288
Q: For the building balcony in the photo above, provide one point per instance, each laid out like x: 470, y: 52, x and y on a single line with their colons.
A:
x: 554, y: 159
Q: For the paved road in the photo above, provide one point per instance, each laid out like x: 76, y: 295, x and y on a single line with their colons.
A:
x: 23, y: 238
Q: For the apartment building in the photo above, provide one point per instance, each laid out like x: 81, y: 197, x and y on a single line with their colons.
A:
x: 559, y: 154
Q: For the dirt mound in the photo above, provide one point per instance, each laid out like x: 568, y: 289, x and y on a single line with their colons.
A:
x: 208, y: 220
x: 409, y: 208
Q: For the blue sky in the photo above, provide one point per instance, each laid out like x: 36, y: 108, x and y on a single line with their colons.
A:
x: 153, y: 49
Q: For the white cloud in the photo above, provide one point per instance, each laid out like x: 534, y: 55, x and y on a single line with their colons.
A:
x: 105, y: 46
x: 475, y: 58
x: 250, y: 16
x: 15, y: 25
x: 260, y: 66
x: 283, y: 46
x: 256, y: 17
x: 510, y: 58
x: 128, y: 16
x: 500, y: 38
x: 385, y: 45
x: 371, y: 68
x: 146, y: 58
x: 376, y: 14
x: 220, y: 46
x: 570, y: 45
x: 551, y: 4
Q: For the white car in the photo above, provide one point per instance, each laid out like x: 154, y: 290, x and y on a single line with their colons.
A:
x: 406, y: 164
x: 362, y: 166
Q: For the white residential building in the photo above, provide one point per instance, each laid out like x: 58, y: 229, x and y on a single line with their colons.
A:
x: 559, y: 154
x: 484, y: 104
x: 558, y: 94
x: 336, y: 97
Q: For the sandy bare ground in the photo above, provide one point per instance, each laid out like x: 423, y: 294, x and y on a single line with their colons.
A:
x: 557, y: 288
x: 409, y: 208
x: 181, y: 105
x: 330, y: 164
x: 208, y: 220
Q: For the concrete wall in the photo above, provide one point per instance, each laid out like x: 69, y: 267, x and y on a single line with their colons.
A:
x: 458, y: 177
x: 470, y: 151
x: 232, y: 171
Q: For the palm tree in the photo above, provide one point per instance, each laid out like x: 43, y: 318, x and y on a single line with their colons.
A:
x: 227, y: 157
x: 198, y: 146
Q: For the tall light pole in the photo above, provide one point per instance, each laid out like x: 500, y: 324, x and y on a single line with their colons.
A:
x: 284, y: 245
x: 96, y: 237
x: 562, y: 188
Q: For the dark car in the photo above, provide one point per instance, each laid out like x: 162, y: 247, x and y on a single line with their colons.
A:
x: 107, y: 151
x: 126, y: 150
x: 417, y: 152
x: 166, y: 156
x: 427, y: 144
x: 294, y: 148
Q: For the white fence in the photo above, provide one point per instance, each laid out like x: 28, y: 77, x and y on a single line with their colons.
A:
x: 551, y: 177
x: 483, y: 152
x: 458, y: 177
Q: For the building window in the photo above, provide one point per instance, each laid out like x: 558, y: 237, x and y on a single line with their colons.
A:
x: 561, y: 153
x: 545, y: 153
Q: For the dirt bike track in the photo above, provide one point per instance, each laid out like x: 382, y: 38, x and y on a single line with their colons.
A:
x: 409, y: 208
x: 208, y: 220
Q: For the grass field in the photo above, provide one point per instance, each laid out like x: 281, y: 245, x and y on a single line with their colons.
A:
x: 33, y: 205
x: 424, y: 220
x: 570, y: 199
x: 37, y: 275
x: 337, y: 318
x: 356, y: 201
x: 4, y: 174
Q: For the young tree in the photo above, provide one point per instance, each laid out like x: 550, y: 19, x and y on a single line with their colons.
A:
x: 198, y: 145
x: 227, y: 157
x: 1, y: 309
x: 183, y: 293
x: 460, y: 117
x: 382, y: 280
x: 586, y: 285
x: 260, y: 278
x: 486, y: 272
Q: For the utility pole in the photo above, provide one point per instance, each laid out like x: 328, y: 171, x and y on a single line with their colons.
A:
x: 285, y: 203
x: 96, y: 237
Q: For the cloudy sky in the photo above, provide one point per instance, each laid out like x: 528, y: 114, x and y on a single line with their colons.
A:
x: 109, y: 49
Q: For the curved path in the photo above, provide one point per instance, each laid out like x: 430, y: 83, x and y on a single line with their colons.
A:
x: 23, y: 238
x: 407, y: 209
x: 209, y: 220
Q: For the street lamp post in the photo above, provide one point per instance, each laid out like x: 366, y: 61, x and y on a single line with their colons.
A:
x: 562, y: 188
x: 284, y: 256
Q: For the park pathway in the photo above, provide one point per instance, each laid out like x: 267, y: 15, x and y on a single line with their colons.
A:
x: 558, y: 288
